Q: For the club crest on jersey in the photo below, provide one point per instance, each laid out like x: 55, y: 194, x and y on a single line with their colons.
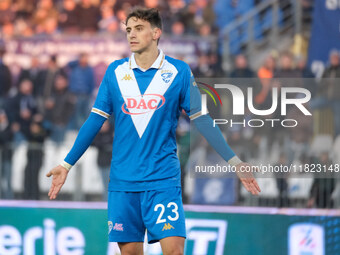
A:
x: 127, y: 77
x: 166, y: 77
x: 142, y: 104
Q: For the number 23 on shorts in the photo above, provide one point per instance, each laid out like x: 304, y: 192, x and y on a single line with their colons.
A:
x: 172, y: 216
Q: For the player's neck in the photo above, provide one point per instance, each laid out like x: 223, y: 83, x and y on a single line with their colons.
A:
x: 146, y: 58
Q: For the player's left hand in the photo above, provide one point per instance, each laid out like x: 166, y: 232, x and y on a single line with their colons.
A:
x: 245, y: 171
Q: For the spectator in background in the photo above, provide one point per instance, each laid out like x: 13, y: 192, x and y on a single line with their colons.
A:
x: 172, y: 13
x: 176, y: 6
x: 287, y: 76
x: 151, y: 3
x: 163, y: 7
x: 23, y: 107
x: 197, y: 13
x: 36, y: 136
x: 241, y: 69
x: 322, y: 188
x: 59, y: 107
x: 44, y: 12
x: 6, y: 12
x: 68, y: 20
x: 121, y: 13
x: 119, y: 4
x: 329, y: 90
x: 204, y: 13
x: 81, y: 85
x: 49, y: 76
x: 265, y: 74
x: 103, y: 142
x: 243, y: 77
x: 51, y: 26
x: 23, y: 27
x: 33, y: 74
x: 203, y: 68
x: 5, y: 75
x: 215, y: 64
x: 24, y: 8
x: 204, y: 30
x: 6, y: 151
x: 331, y: 78
x: 281, y: 182
x: 332, y: 71
x: 88, y: 16
x: 188, y: 18
x: 303, y: 68
x: 300, y: 135
x: 309, y: 81
x: 108, y: 22
x: 177, y: 29
x: 8, y: 30
x: 287, y: 69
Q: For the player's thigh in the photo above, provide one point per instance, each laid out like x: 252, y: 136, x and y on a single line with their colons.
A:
x: 163, y: 213
x: 173, y: 245
x: 135, y: 248
x: 125, y: 220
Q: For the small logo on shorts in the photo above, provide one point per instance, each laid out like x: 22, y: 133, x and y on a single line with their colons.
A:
x: 167, y: 226
x: 110, y: 226
x: 118, y: 227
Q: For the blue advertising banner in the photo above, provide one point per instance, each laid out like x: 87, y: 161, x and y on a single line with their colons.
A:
x: 325, y: 34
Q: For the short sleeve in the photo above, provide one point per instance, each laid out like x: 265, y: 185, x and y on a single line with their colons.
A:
x: 103, y: 103
x: 190, y: 96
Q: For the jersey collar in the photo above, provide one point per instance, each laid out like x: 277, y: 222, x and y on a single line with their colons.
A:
x: 157, y: 64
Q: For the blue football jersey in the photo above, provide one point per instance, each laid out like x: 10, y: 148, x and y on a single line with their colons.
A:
x: 146, y: 105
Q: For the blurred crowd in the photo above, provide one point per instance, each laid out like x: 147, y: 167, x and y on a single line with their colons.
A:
x: 44, y: 101
x: 46, y: 17
x: 25, y: 18
x: 315, y: 139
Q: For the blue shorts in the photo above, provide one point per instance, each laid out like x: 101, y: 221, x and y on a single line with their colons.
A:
x: 160, y: 212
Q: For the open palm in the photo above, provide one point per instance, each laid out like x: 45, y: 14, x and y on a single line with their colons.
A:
x: 247, y: 178
x: 59, y: 174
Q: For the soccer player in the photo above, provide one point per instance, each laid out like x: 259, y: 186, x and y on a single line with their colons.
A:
x: 146, y: 94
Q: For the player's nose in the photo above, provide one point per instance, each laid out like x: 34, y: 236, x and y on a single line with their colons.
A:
x: 132, y: 34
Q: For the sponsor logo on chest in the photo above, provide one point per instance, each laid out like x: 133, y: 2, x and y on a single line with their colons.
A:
x: 142, y: 104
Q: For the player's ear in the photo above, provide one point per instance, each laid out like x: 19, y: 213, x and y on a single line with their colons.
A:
x: 157, y: 32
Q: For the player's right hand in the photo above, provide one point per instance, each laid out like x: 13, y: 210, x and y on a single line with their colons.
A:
x: 59, y: 174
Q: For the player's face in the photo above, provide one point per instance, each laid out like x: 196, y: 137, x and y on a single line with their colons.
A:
x: 141, y: 35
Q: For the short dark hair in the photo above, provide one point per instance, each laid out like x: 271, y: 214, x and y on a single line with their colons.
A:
x: 150, y: 15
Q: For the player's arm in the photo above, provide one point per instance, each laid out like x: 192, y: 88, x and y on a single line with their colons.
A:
x: 84, y: 139
x: 213, y: 135
x: 100, y: 112
x: 191, y: 103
